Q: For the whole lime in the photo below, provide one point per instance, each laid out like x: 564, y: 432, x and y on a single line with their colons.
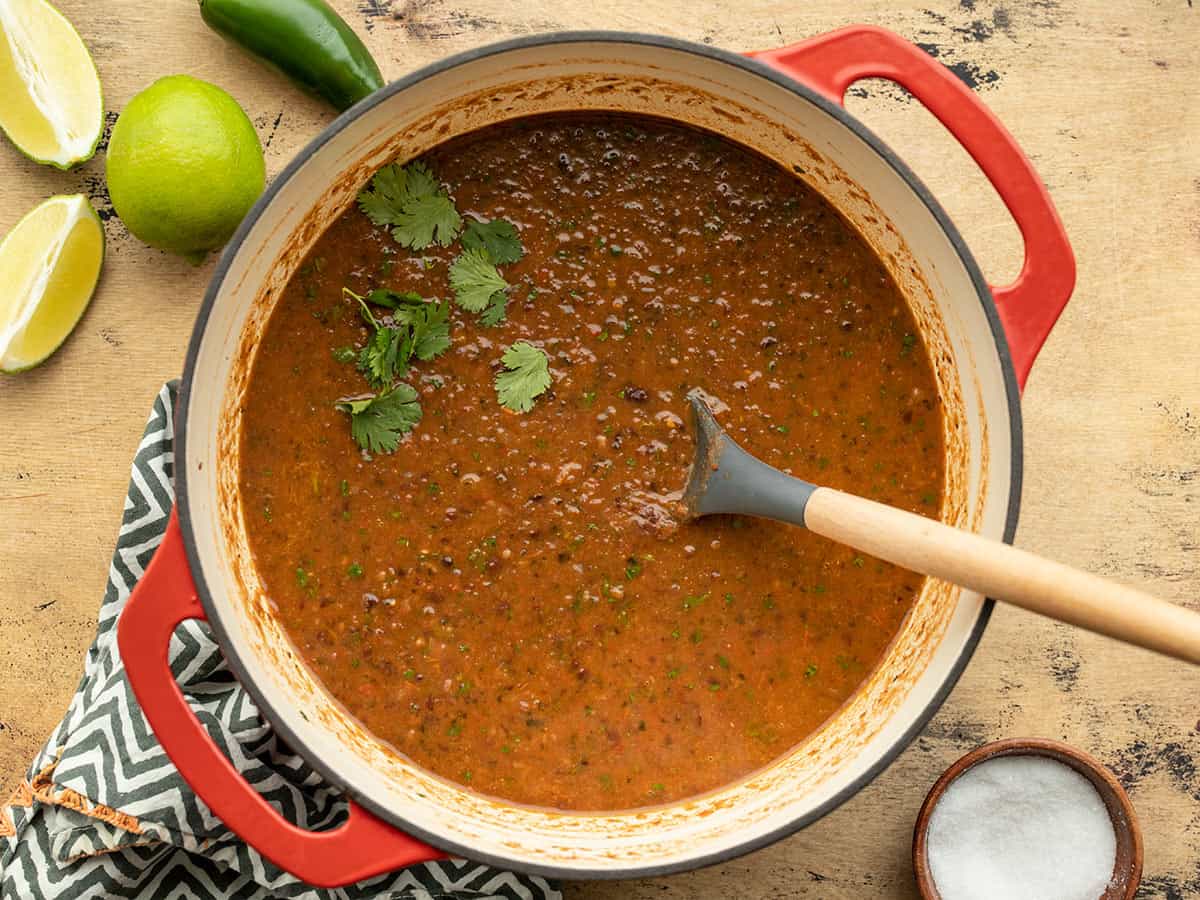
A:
x: 184, y: 166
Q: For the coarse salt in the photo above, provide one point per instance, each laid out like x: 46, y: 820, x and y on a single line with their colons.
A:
x: 1021, y: 828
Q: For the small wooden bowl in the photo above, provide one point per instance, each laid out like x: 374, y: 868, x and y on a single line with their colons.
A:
x: 1127, y: 870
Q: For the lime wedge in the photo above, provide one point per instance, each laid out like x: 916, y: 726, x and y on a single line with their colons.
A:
x: 49, y: 266
x: 50, y: 102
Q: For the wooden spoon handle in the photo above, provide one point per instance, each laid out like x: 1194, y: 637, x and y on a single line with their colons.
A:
x: 1005, y: 573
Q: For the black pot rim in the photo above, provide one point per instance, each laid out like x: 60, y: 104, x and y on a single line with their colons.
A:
x: 710, y: 53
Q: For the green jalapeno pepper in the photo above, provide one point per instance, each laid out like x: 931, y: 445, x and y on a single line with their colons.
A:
x: 304, y: 39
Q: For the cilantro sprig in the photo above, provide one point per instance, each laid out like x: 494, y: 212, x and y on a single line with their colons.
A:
x: 478, y: 285
x: 475, y: 280
x: 526, y: 376
x: 428, y: 320
x: 412, y: 202
x: 414, y: 328
x: 378, y: 422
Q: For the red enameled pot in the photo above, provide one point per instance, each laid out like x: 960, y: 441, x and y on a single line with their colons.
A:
x: 783, y: 103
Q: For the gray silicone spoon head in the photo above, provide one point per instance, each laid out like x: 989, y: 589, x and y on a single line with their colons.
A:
x: 724, y: 478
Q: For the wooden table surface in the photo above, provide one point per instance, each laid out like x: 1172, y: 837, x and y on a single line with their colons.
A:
x: 1104, y: 97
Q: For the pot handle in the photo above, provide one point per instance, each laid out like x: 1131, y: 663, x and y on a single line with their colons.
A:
x: 361, y: 847
x: 1029, y: 306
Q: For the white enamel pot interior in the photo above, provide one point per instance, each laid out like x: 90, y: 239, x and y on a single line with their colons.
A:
x: 751, y: 105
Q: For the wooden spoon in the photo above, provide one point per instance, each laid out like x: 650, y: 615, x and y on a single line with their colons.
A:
x: 724, y: 478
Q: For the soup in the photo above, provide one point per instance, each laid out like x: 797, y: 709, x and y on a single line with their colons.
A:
x: 486, y: 598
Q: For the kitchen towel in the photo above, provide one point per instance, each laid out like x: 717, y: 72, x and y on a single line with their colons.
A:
x: 104, y: 814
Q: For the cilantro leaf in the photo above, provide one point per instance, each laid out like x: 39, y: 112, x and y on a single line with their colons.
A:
x: 426, y: 220
x: 390, y: 299
x: 385, y: 357
x: 527, y: 376
x: 409, y: 199
x: 383, y: 200
x: 421, y: 182
x: 430, y: 324
x: 499, y: 237
x: 496, y: 311
x: 377, y: 423
x: 475, y: 279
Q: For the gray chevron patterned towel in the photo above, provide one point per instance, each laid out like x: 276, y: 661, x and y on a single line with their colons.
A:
x: 103, y: 813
